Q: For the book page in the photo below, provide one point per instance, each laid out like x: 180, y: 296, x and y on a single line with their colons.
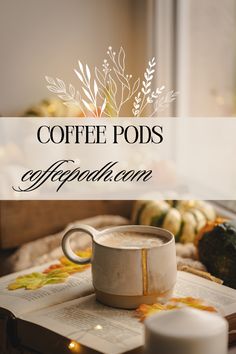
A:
x: 80, y: 284
x: 23, y: 301
x: 88, y: 322
x: 220, y: 296
x: 115, y: 331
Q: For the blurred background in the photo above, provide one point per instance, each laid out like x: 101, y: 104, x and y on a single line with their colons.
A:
x: 194, y: 42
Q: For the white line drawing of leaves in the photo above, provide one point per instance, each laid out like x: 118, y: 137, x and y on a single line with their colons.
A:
x: 90, y: 92
x: 72, y: 90
x: 95, y: 87
x: 87, y: 93
x: 145, y: 90
x: 136, y: 86
x: 79, y: 75
x: 61, y: 83
x: 127, y: 89
x: 78, y: 96
x: 64, y: 97
x: 81, y: 66
x: 88, y: 106
x: 121, y: 78
x: 113, y: 87
x: 163, y: 102
x: 88, y: 73
x: 105, y: 92
x: 157, y: 92
x: 53, y: 89
x: 99, y: 76
x: 103, y: 106
x: 121, y: 59
x: 72, y: 97
x: 50, y: 80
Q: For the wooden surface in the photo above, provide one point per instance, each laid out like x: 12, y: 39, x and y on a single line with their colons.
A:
x: 23, y: 221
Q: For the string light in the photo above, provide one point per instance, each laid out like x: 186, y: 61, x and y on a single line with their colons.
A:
x: 98, y: 327
x: 74, y: 347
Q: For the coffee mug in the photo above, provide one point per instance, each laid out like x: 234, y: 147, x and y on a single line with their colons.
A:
x: 131, y: 264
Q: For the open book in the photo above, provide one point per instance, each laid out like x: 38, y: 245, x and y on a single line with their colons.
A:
x: 66, y: 318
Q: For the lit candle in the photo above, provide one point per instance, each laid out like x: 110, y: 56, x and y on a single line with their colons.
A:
x: 186, y: 331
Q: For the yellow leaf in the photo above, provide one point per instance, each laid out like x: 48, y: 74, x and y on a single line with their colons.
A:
x: 82, y: 253
x: 143, y: 311
x: 55, y: 274
x: 37, y: 280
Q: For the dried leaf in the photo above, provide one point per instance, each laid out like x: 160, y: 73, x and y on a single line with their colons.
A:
x: 37, y: 280
x: 144, y: 310
x: 81, y: 253
x: 67, y: 266
x: 55, y: 274
x: 70, y: 269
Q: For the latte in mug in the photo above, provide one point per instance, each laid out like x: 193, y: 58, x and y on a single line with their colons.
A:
x: 131, y: 264
x: 129, y: 240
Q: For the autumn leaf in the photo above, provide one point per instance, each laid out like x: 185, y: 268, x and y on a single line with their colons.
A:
x: 55, y: 274
x: 82, y: 253
x: 67, y: 266
x: 37, y: 280
x: 70, y: 269
x: 144, y: 311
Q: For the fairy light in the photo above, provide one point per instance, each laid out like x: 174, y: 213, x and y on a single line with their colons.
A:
x: 98, y: 327
x: 74, y: 347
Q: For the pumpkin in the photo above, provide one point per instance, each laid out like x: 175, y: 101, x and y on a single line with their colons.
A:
x: 216, y: 245
x: 184, y: 218
x: 53, y: 107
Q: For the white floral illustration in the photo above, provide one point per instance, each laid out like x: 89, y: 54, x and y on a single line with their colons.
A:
x: 104, y: 92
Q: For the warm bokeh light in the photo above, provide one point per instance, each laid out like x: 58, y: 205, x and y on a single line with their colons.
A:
x: 97, y: 327
x: 74, y: 347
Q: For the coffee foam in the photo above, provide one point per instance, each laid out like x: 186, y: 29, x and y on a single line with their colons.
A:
x: 130, y: 239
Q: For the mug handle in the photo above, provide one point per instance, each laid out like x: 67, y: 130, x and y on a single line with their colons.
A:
x: 69, y: 253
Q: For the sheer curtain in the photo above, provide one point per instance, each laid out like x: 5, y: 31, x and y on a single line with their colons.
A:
x: 206, y: 61
x: 206, y: 57
x: 195, y: 44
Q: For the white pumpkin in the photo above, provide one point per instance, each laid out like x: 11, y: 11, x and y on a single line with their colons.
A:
x: 153, y: 212
x: 183, y: 218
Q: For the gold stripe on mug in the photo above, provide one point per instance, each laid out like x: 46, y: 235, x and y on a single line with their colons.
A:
x: 144, y: 271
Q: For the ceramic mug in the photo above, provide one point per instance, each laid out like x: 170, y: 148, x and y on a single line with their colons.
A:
x: 127, y: 277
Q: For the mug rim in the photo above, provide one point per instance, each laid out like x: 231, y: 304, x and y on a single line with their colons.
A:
x: 154, y: 229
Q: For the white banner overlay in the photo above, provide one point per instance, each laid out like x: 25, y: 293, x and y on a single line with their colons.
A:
x: 117, y: 158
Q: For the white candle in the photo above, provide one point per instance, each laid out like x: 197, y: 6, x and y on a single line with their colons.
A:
x: 186, y: 331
